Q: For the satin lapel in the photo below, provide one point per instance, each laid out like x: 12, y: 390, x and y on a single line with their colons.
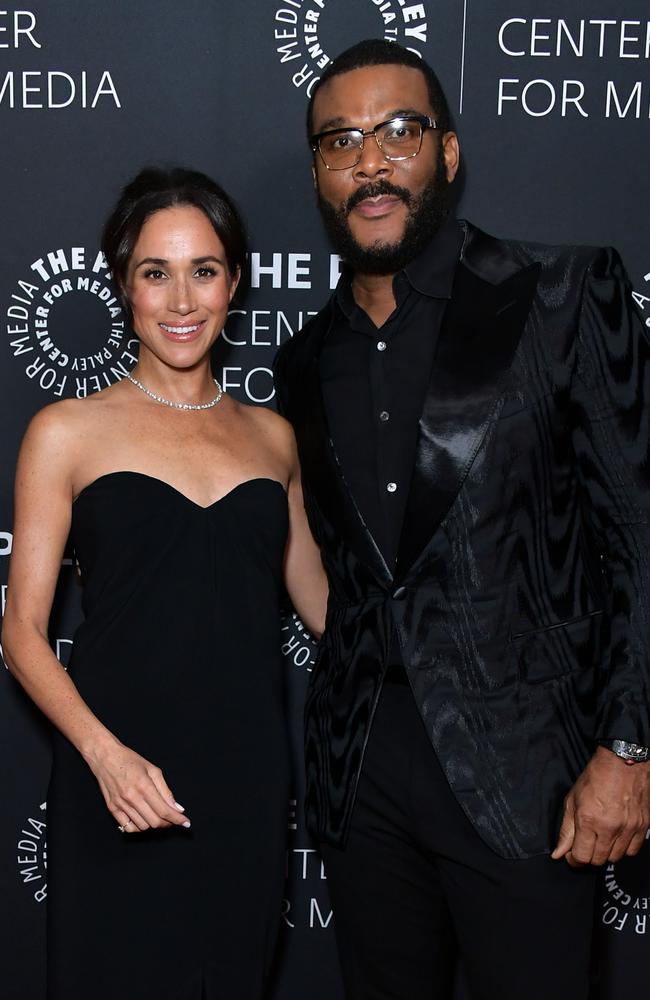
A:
x: 322, y: 471
x: 479, y: 335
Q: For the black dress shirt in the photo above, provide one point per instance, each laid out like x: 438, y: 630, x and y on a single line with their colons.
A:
x: 374, y: 382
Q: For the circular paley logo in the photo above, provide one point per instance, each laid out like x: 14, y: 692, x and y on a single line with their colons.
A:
x: 65, y: 326
x: 626, y: 894
x: 642, y: 299
x: 307, y: 34
x: 297, y: 645
x: 31, y: 854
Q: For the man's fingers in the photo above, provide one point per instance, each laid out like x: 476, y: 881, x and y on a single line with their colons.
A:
x: 566, y: 835
x: 611, y: 849
x: 583, y: 847
x: 636, y: 843
x: 573, y: 862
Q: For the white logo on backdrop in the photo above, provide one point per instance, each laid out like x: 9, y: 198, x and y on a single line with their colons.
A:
x: 306, y: 901
x: 300, y: 26
x: 6, y: 542
x: 573, y: 44
x: 642, y: 300
x: 298, y: 647
x: 65, y: 326
x: 625, y: 908
x: 35, y: 89
x: 31, y: 854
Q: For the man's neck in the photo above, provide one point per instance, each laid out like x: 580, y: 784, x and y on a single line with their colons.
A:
x: 374, y: 294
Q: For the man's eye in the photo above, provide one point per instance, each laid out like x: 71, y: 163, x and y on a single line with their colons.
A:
x: 400, y: 132
x: 343, y: 141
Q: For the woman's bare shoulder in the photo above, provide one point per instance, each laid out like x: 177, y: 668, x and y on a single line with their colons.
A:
x: 270, y: 425
x: 267, y: 419
x: 66, y: 419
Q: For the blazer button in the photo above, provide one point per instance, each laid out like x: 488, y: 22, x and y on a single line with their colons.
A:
x: 399, y: 594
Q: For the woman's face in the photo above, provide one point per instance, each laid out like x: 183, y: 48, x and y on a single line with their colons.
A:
x: 179, y: 286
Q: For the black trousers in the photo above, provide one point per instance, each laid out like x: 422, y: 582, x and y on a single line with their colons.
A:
x: 415, y: 887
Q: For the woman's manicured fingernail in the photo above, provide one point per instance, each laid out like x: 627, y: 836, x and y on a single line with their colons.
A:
x: 187, y: 824
x: 179, y: 806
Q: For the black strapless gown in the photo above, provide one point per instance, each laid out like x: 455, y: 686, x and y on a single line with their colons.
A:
x: 179, y: 655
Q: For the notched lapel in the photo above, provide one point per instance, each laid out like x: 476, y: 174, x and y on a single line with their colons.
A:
x: 478, y: 338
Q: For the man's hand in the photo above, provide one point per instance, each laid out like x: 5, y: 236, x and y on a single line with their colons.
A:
x: 606, y: 813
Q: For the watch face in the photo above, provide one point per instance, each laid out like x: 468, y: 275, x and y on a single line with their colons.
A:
x: 630, y: 751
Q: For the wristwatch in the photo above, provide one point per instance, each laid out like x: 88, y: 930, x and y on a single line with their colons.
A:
x: 631, y: 753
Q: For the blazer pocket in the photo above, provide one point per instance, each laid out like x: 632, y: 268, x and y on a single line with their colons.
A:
x: 559, y: 648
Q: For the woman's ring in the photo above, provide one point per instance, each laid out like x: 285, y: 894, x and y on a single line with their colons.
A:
x: 122, y: 828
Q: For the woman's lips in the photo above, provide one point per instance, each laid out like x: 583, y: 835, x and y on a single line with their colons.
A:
x: 184, y: 332
x: 373, y: 207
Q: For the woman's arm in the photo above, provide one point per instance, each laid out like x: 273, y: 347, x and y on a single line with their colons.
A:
x: 134, y: 790
x: 304, y: 574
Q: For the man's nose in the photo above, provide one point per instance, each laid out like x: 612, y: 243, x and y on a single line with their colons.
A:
x: 373, y: 161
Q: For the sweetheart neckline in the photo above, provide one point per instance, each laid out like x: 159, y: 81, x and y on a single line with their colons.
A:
x: 163, y: 482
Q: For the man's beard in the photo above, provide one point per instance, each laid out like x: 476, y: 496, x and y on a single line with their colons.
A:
x: 426, y: 213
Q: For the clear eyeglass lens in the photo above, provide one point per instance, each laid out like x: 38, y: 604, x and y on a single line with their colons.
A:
x: 400, y: 138
x: 341, y: 149
x: 397, y: 139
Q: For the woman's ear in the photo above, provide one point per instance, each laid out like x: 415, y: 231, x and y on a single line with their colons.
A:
x: 234, y: 281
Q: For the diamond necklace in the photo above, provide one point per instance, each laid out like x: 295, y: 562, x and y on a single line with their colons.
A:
x: 178, y: 406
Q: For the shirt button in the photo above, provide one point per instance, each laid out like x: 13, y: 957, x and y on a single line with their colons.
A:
x: 391, y: 487
x: 381, y: 345
x: 384, y: 416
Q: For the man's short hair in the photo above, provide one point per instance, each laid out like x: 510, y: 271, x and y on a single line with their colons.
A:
x: 379, y: 52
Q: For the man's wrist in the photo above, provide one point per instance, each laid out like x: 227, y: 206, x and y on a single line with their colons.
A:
x: 631, y: 753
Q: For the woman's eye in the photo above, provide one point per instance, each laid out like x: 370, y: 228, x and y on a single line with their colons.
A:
x: 154, y: 273
x: 205, y: 272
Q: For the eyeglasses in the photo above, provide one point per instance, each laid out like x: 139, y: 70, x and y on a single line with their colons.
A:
x: 398, y: 139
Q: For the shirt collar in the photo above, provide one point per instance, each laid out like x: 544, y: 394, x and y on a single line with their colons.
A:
x: 430, y: 273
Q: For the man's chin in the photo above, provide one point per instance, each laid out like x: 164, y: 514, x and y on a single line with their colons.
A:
x: 369, y: 238
x: 391, y: 252
x: 379, y: 257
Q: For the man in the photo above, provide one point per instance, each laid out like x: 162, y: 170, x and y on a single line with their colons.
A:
x: 469, y: 415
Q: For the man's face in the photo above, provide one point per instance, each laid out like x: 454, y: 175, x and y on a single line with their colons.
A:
x: 381, y: 212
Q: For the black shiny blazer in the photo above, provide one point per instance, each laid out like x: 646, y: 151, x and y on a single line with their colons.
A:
x: 521, y: 595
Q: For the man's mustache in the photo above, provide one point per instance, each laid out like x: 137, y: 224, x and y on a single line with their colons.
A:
x: 375, y: 190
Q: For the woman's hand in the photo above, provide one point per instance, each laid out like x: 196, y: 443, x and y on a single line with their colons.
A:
x: 135, y: 791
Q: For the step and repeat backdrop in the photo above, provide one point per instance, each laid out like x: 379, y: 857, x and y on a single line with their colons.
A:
x: 551, y: 99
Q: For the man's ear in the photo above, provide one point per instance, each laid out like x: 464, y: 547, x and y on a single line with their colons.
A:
x: 451, y: 153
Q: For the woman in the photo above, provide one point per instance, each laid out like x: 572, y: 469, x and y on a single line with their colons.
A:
x: 186, y: 510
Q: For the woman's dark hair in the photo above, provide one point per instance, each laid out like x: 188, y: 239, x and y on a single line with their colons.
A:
x: 154, y: 189
x: 379, y: 52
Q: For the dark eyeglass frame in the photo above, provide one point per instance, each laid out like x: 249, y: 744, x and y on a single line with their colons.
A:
x: 424, y: 121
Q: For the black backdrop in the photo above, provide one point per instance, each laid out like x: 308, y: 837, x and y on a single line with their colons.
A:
x: 552, y: 103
